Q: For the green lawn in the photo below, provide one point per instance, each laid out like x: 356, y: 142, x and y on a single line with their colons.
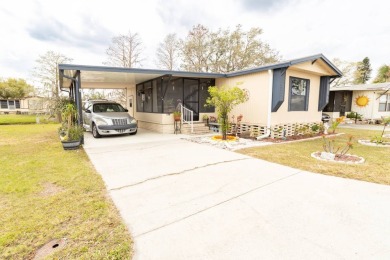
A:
x: 14, y: 119
x: 48, y: 193
x: 375, y: 169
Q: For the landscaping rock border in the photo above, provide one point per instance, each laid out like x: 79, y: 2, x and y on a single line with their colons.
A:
x: 240, y: 143
x: 369, y: 143
x: 317, y: 156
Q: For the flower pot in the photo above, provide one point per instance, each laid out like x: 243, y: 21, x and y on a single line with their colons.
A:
x: 71, y: 145
x: 177, y: 118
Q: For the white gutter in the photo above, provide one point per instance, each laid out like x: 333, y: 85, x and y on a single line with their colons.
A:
x: 268, y: 129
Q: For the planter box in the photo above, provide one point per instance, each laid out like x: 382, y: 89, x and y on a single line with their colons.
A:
x: 71, y: 145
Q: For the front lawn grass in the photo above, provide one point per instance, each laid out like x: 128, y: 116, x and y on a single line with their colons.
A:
x: 376, y: 168
x: 47, y: 193
x: 14, y: 119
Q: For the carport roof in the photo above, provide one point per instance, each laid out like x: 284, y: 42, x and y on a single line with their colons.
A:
x: 103, y: 74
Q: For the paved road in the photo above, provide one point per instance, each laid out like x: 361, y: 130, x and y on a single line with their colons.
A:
x: 182, y: 200
x: 365, y: 127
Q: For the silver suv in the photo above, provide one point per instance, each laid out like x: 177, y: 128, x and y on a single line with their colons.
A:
x: 104, y: 117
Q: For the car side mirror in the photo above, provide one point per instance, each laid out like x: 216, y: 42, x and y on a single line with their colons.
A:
x: 88, y: 111
x: 126, y: 110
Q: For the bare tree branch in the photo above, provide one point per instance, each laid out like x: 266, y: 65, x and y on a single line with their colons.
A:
x: 125, y: 51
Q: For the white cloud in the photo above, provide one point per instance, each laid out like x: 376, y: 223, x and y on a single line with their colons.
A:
x: 350, y: 30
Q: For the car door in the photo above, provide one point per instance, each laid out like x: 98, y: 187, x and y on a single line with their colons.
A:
x: 87, y: 117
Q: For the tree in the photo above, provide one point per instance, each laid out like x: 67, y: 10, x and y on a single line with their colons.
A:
x: 118, y: 95
x: 125, y: 51
x: 225, y: 50
x: 168, y: 52
x: 195, y: 49
x: 46, y: 72
x: 383, y: 74
x: 346, y: 68
x: 362, y: 72
x: 224, y: 99
x: 14, y: 88
x: 238, y: 50
x: 89, y: 94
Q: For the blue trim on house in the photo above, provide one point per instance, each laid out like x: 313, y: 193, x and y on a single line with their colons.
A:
x: 278, y: 88
x: 323, y: 98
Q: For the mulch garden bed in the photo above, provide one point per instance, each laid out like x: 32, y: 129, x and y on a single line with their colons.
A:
x: 346, y: 158
x: 292, y: 138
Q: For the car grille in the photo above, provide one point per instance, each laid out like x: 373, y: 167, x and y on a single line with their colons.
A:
x: 122, y: 121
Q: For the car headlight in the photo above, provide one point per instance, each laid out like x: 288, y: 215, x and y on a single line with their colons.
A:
x: 100, y: 121
x: 133, y: 121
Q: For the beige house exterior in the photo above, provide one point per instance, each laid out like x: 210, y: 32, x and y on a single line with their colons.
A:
x: 28, y: 105
x: 288, y: 93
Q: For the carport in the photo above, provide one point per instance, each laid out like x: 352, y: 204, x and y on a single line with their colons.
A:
x: 150, y: 94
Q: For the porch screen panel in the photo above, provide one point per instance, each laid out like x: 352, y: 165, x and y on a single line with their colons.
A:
x: 148, y: 97
x: 140, y: 92
x: 174, y: 95
x: 204, y: 94
x: 191, y: 94
x: 17, y: 103
x: 157, y: 94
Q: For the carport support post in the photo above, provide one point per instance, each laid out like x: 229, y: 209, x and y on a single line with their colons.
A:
x: 77, y: 96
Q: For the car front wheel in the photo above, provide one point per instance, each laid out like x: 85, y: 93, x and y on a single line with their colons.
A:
x: 95, y: 132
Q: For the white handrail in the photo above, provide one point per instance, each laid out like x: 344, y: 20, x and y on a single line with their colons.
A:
x: 187, y: 116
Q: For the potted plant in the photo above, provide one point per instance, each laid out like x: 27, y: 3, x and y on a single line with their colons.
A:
x: 205, y: 119
x: 70, y: 133
x: 177, y: 115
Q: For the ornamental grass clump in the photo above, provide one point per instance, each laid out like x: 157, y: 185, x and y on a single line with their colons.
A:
x: 330, y: 147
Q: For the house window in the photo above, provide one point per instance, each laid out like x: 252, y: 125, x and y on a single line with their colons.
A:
x: 384, y: 103
x: 11, y: 104
x: 299, y: 94
x: 3, y: 104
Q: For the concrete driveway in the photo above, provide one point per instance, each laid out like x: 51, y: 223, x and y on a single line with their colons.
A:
x: 182, y: 200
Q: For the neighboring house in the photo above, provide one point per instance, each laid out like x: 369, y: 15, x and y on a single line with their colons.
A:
x: 281, y: 95
x: 372, y: 101
x: 28, y: 105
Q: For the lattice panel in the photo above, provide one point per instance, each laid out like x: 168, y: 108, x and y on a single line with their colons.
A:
x: 278, y: 131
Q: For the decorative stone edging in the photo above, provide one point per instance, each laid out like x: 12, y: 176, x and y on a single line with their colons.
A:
x: 321, y: 159
x: 239, y: 143
x: 369, y: 143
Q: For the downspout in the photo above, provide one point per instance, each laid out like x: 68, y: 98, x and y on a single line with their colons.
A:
x: 268, y: 129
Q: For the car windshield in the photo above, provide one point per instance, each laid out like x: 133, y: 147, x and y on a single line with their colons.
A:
x: 107, y: 107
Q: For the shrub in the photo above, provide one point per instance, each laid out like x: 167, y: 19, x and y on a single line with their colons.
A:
x: 329, y: 146
x: 336, y: 123
x: 354, y: 115
x: 315, y: 128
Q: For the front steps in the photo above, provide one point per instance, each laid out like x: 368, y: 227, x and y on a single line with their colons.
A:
x: 199, y: 129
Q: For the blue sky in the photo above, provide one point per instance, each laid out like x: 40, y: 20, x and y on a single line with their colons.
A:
x: 349, y: 30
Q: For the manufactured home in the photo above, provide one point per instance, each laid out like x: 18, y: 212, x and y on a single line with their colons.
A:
x: 284, y: 94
